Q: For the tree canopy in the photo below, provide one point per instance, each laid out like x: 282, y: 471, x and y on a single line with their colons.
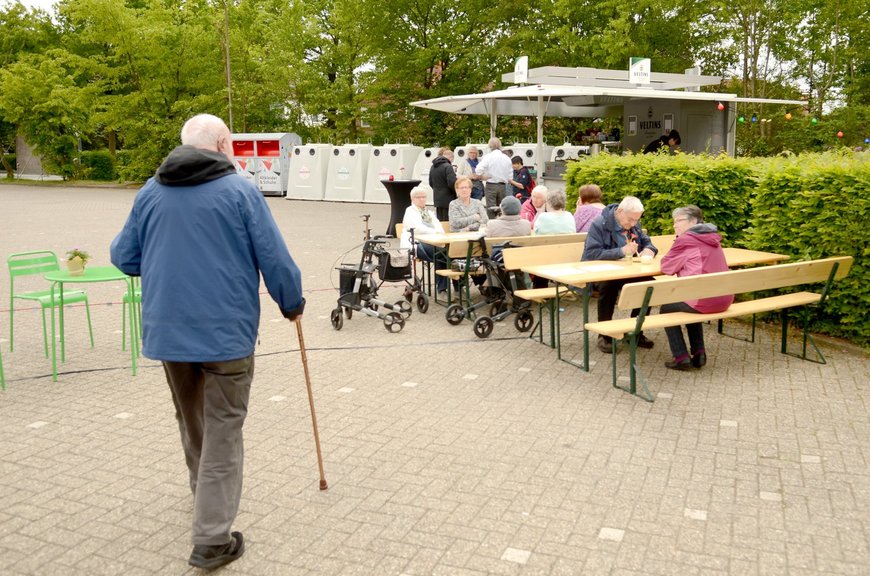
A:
x: 124, y: 74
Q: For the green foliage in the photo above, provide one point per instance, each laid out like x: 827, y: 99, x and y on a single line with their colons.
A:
x: 807, y: 206
x: 97, y: 165
x: 814, y: 206
x: 8, y: 163
x: 720, y: 186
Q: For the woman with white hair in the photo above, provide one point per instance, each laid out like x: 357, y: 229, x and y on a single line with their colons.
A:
x: 423, y: 221
x: 555, y: 220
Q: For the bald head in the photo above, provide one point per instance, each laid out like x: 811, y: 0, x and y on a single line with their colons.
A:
x: 209, y: 133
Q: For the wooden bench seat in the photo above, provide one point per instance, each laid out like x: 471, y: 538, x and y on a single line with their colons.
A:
x: 667, y: 290
x: 621, y: 327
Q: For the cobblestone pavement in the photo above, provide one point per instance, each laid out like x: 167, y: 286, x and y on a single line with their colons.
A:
x: 445, y: 454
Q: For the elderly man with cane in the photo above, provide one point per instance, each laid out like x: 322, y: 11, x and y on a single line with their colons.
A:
x: 200, y: 235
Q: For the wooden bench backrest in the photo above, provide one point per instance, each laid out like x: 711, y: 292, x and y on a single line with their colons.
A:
x: 668, y: 290
x: 663, y: 243
x: 516, y: 258
x: 459, y: 249
x: 543, y: 240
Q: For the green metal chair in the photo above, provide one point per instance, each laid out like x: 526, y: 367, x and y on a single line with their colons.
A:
x: 38, y: 263
x: 135, y: 306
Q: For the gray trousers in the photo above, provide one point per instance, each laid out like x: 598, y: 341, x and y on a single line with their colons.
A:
x: 211, y: 403
x: 494, y: 194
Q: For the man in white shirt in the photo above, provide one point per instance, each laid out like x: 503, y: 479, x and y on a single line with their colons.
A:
x: 495, y: 169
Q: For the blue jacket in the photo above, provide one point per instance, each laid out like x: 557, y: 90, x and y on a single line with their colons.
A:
x: 199, y: 235
x: 605, y: 238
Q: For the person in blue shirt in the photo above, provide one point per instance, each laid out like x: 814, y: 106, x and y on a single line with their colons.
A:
x: 200, y: 235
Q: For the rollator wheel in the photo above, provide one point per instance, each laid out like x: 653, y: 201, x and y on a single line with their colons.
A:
x: 455, y: 314
x: 348, y: 312
x: 394, y: 322
x: 408, y: 294
x: 404, y: 307
x: 524, y: 320
x: 497, y: 308
x: 422, y: 303
x: 336, y: 319
x: 483, y: 327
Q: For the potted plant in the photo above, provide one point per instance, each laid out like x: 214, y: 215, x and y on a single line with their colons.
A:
x: 76, y: 260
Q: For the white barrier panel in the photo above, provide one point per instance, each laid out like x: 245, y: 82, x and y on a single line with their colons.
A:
x: 307, y: 172
x: 422, y: 167
x: 528, y: 152
x: 568, y: 152
x: 245, y: 150
x: 273, y: 159
x: 396, y: 160
x: 346, y: 176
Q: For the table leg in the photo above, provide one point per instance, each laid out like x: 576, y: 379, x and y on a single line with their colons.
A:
x: 53, y: 338
x: 587, y: 289
x: 134, y: 324
x: 585, y: 364
x: 61, y: 326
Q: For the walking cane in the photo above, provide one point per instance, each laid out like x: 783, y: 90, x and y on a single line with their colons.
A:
x: 323, y: 485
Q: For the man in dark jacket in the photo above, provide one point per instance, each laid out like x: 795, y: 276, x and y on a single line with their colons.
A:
x: 617, y: 234
x: 671, y: 140
x: 200, y: 235
x: 442, y: 179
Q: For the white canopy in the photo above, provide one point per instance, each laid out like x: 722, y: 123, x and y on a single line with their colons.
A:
x: 580, y: 93
x: 567, y: 101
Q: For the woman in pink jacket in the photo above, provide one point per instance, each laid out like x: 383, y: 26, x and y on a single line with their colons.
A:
x: 697, y: 250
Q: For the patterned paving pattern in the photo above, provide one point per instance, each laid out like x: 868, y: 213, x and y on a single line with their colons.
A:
x: 445, y: 454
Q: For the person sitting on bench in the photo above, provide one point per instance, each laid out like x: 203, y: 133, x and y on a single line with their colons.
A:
x: 697, y: 250
x: 616, y: 234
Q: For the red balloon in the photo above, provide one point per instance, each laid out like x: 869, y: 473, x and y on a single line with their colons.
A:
x: 840, y: 134
x: 720, y: 106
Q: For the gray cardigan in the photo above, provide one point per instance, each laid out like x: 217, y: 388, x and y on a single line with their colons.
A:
x: 462, y: 216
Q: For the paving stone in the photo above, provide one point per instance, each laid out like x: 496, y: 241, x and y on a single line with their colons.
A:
x: 443, y: 452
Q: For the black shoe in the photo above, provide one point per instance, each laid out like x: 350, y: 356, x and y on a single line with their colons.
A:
x: 644, y: 342
x: 210, y: 557
x: 699, y: 360
x: 605, y: 344
x: 684, y: 364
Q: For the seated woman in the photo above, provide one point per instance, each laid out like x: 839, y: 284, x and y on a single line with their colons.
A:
x: 697, y: 250
x: 589, y: 208
x: 466, y: 213
x: 423, y: 221
x: 555, y: 220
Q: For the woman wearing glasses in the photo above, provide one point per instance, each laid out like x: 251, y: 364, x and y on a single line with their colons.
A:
x: 697, y: 250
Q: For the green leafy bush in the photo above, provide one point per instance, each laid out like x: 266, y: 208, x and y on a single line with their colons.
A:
x: 815, y: 206
x: 720, y: 186
x: 808, y: 206
x: 98, y: 165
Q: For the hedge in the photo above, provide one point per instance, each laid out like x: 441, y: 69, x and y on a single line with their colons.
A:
x: 98, y: 165
x: 720, y: 186
x: 814, y: 206
x: 808, y: 206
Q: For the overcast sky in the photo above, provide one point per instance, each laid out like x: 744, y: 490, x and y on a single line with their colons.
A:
x: 44, y: 4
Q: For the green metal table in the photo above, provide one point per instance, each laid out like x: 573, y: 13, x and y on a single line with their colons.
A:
x: 92, y: 274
